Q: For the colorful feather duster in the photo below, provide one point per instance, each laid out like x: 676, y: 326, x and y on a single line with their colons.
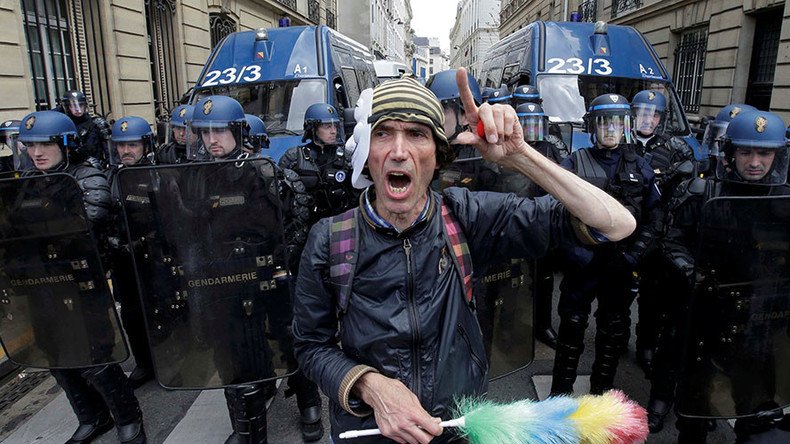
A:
x: 611, y: 418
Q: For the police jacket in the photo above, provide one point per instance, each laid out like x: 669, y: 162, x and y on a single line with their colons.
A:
x: 407, y: 316
x: 662, y: 152
x: 326, y: 175
x: 628, y: 178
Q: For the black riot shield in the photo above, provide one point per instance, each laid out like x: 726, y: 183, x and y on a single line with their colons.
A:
x: 56, y: 309
x: 504, y: 293
x: 207, y: 243
x: 738, y: 352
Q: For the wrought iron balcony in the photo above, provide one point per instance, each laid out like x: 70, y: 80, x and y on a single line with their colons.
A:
x: 289, y: 3
x: 330, y: 19
x: 314, y: 11
x: 620, y: 7
x: 589, y: 10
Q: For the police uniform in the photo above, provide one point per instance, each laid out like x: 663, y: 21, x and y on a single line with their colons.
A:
x: 173, y: 152
x: 124, y: 282
x: 604, y: 272
x: 98, y: 395
x: 677, y: 251
x: 93, y: 131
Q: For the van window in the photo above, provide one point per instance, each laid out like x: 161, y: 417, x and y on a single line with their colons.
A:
x: 352, y: 85
x: 281, y: 103
x: 509, y: 75
x: 494, y: 77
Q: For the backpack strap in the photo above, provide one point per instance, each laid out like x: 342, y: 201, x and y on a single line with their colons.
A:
x: 343, y: 234
x: 457, y: 243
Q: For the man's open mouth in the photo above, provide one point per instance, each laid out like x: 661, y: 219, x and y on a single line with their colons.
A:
x: 398, y: 183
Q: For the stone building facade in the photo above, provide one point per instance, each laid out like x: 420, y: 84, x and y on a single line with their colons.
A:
x: 381, y: 25
x: 130, y: 57
x: 476, y: 28
x: 717, y: 51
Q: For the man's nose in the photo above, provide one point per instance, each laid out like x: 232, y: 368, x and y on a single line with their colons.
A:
x: 399, y: 149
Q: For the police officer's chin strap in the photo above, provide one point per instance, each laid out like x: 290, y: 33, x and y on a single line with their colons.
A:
x: 458, y: 127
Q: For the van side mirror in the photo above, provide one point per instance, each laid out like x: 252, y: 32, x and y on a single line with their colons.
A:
x: 349, y: 122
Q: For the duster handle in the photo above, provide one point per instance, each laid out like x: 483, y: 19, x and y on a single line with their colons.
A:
x: 458, y: 422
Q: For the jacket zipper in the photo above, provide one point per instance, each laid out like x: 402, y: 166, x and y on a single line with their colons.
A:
x: 475, y: 358
x: 415, y: 325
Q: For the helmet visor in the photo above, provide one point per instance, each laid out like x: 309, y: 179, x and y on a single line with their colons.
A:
x: 711, y: 139
x: 75, y: 107
x: 534, y: 128
x: 257, y: 142
x: 752, y: 165
x: 648, y: 117
x: 613, y: 129
x: 177, y: 133
x: 328, y: 133
x: 213, y: 140
x: 127, y: 152
x: 41, y: 156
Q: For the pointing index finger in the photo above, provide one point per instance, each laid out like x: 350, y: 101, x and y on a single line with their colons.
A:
x: 467, y: 100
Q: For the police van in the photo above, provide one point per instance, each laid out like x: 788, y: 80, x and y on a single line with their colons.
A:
x: 278, y: 73
x: 572, y: 63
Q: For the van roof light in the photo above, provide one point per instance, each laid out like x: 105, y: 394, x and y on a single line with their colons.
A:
x: 601, y: 27
x: 261, y: 34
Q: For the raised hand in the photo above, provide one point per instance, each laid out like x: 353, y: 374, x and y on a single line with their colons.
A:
x: 503, y: 134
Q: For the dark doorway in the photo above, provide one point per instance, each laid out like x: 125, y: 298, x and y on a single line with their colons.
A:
x: 768, y: 26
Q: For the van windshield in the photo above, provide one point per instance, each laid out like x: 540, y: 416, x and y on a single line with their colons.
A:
x: 566, y: 97
x: 281, y: 104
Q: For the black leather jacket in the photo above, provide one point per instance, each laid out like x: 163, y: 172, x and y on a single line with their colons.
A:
x: 415, y: 324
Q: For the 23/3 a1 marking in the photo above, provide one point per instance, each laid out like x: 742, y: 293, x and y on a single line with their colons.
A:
x: 575, y: 65
x: 231, y: 75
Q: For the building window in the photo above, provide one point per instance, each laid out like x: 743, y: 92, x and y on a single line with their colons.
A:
x: 49, y: 49
x: 763, y: 64
x: 162, y: 53
x: 620, y: 7
x: 331, y: 8
x: 314, y: 11
x: 221, y: 25
x: 588, y: 10
x: 690, y: 67
x: 88, y: 39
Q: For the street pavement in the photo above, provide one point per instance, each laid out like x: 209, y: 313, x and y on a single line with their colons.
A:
x: 174, y: 417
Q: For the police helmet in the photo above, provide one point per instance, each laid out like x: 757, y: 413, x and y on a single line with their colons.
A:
x: 717, y: 127
x: 646, y: 105
x: 126, y: 131
x: 323, y: 115
x: 257, y: 136
x: 526, y: 94
x: 9, y: 131
x: 533, y: 121
x: 44, y: 127
x: 485, y: 94
x: 610, y: 113
x: 74, y: 103
x: 754, y: 149
x: 444, y: 85
x: 215, y: 114
x: 500, y: 95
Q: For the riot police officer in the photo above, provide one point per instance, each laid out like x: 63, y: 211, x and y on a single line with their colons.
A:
x: 318, y: 172
x: 131, y: 145
x: 523, y: 94
x: 664, y: 153
x: 257, y: 138
x: 98, y: 395
x: 485, y: 94
x: 220, y: 124
x: 604, y: 272
x: 93, y: 131
x: 9, y: 131
x: 752, y: 163
x: 322, y: 163
x: 174, y: 150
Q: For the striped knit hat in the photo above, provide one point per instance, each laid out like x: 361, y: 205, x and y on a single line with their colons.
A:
x: 407, y: 100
